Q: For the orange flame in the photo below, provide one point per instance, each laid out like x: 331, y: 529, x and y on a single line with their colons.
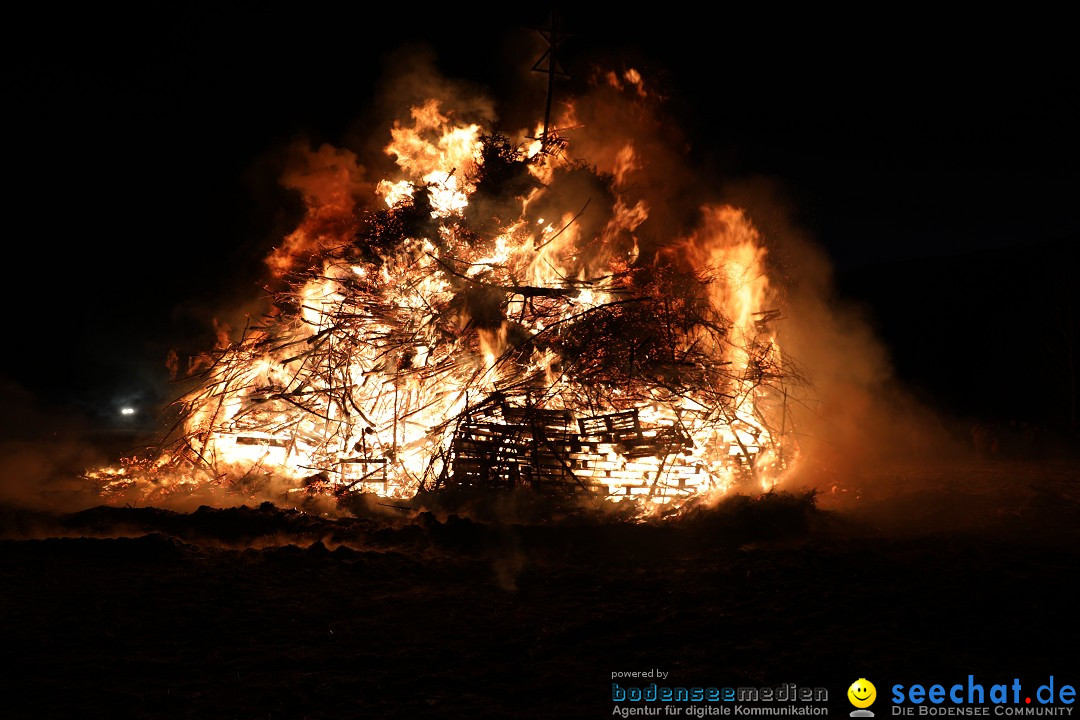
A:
x: 367, y: 381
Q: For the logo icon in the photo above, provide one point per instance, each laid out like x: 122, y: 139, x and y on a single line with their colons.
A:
x: 862, y: 695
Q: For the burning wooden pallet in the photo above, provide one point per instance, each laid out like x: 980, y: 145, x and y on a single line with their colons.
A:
x: 610, y: 454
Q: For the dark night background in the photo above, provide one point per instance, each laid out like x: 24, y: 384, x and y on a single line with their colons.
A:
x: 936, y: 161
x: 934, y: 158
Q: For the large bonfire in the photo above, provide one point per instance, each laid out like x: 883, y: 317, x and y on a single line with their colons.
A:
x: 490, y: 322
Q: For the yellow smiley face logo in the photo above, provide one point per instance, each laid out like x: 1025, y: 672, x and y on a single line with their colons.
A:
x: 862, y: 693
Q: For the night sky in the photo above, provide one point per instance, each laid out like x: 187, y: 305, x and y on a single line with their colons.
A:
x: 141, y: 166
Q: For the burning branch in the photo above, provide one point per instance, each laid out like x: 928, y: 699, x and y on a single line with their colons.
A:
x: 655, y: 380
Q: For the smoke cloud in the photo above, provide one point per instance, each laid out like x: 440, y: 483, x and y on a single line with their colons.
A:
x: 850, y: 411
x: 332, y: 183
x: 41, y: 454
x: 853, y: 413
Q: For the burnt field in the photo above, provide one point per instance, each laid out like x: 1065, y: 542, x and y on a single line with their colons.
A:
x: 914, y: 574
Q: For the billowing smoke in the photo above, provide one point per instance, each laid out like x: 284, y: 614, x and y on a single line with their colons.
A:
x: 851, y: 412
x: 332, y: 184
x: 41, y: 454
x: 854, y: 414
x: 628, y: 198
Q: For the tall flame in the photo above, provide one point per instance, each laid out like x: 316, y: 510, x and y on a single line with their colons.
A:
x: 466, y: 335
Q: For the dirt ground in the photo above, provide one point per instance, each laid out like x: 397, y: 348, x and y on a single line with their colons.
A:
x: 910, y: 574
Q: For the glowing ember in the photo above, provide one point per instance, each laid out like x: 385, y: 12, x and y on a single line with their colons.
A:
x: 474, y: 332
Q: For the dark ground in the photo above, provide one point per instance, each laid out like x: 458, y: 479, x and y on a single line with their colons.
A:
x: 928, y: 575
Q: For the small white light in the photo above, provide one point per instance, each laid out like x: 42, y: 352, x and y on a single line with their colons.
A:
x: 127, y: 411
